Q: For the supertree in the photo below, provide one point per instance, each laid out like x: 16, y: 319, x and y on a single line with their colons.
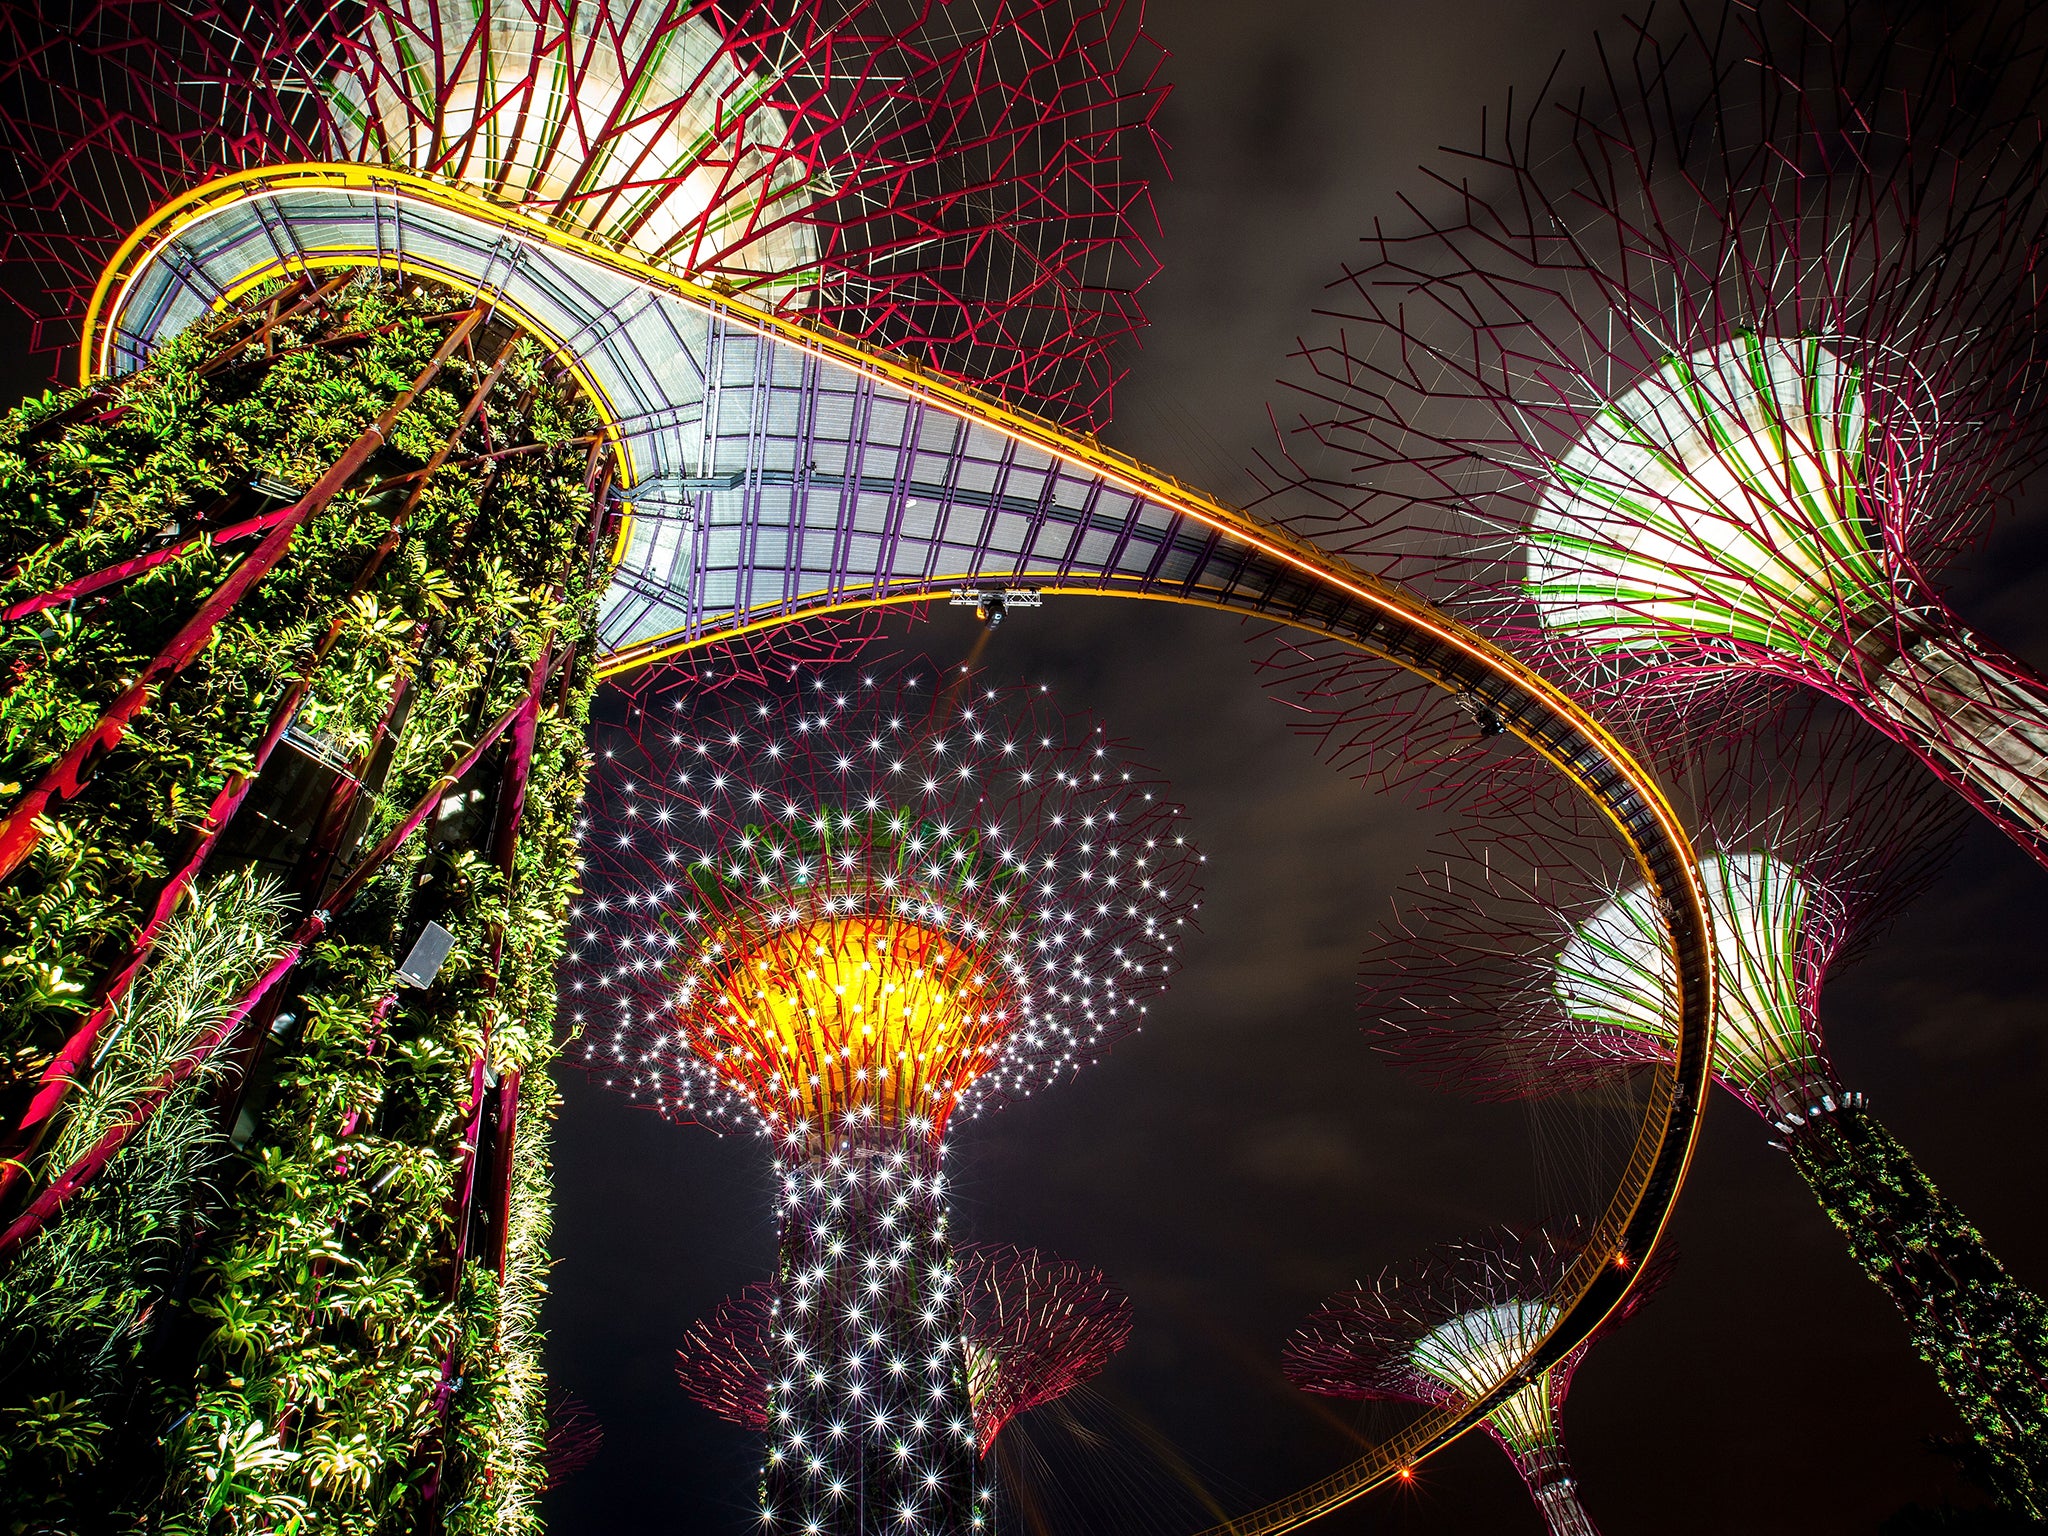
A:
x: 1037, y: 1327
x: 306, y: 579
x: 285, y: 869
x: 1445, y: 1328
x: 573, y: 1440
x: 1690, y: 385
x: 945, y: 179
x: 838, y: 920
x: 1524, y: 968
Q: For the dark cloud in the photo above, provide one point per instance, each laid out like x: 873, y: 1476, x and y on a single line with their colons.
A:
x: 1308, y: 1150
x: 1248, y: 1153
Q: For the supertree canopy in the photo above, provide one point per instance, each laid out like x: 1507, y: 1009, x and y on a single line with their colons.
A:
x: 968, y: 893
x: 1446, y: 1328
x: 946, y: 178
x: 1037, y: 1327
x: 433, y: 361
x: 414, y: 337
x: 1523, y: 968
x: 838, y: 919
x: 1691, y: 385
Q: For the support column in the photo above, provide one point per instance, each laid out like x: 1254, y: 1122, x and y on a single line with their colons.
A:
x: 869, y: 1423
x: 1985, y: 1335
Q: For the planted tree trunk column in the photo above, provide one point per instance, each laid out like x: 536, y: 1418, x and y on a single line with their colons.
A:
x: 1985, y: 1334
x: 324, y: 563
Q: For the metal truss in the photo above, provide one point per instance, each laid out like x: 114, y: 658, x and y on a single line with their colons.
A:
x: 775, y: 471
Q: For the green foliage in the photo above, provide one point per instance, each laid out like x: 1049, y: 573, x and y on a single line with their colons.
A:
x: 76, y: 1305
x: 52, y: 1437
x: 505, y: 1421
x: 311, y: 1357
x: 98, y: 477
x: 212, y: 953
x: 1985, y: 1335
x: 1947, y: 1520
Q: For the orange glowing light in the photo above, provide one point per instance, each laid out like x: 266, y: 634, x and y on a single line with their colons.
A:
x: 871, y: 1020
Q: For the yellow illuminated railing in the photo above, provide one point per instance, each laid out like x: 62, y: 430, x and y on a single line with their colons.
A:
x: 1670, y: 1122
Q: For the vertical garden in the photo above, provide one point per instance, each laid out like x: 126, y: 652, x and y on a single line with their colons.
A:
x: 298, y: 665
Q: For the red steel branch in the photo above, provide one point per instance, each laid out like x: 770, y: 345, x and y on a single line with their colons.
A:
x: 20, y: 831
x: 968, y: 185
x: 196, y: 1055
x: 1689, y: 384
x: 505, y: 845
x: 127, y: 570
x: 65, y: 1069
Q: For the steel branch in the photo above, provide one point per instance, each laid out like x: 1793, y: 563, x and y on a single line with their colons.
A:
x: 81, y: 1172
x: 20, y: 831
x: 67, y: 1067
x: 127, y: 570
x: 197, y: 1054
x: 505, y: 845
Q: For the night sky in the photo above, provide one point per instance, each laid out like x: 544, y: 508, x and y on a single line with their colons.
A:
x: 1247, y: 1154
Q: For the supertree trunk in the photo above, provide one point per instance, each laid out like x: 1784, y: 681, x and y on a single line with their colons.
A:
x: 1563, y: 1514
x: 1977, y: 716
x: 1985, y: 1335
x: 329, y: 555
x: 1547, y: 1473
x: 870, y: 1426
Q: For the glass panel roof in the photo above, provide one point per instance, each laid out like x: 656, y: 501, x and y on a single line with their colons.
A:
x: 762, y: 478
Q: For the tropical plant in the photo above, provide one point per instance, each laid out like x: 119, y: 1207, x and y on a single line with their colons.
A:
x: 279, y: 1305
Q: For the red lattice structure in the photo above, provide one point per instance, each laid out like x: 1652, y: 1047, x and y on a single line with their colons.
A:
x: 574, y: 1438
x: 762, y: 660
x: 851, y: 906
x: 1435, y: 1331
x: 963, y: 180
x: 1517, y: 966
x: 1525, y: 966
x: 1037, y: 1327
x: 1688, y: 387
x: 1040, y: 1327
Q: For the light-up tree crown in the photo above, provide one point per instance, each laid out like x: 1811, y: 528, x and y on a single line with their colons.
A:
x: 953, y: 179
x: 1037, y: 1327
x: 1612, y: 977
x: 614, y: 146
x: 839, y: 918
x: 1719, y: 497
x: 1445, y: 1329
x: 1527, y: 970
x: 1525, y: 966
x: 870, y: 907
x: 1694, y: 401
